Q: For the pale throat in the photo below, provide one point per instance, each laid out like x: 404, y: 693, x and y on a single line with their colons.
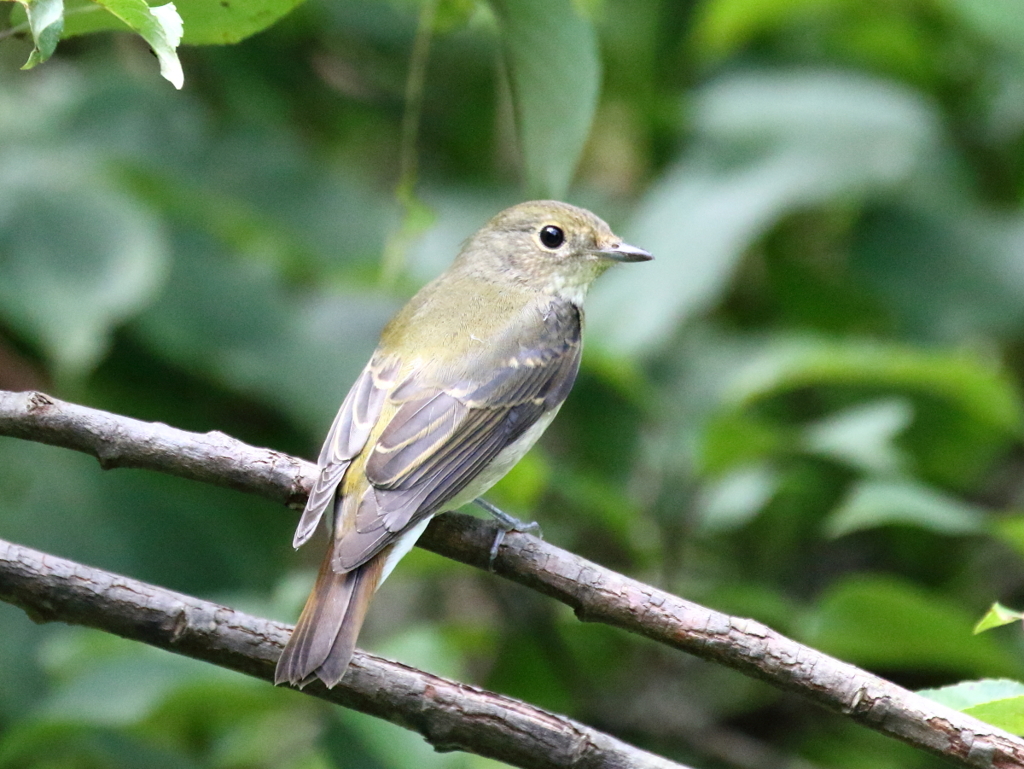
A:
x: 569, y: 288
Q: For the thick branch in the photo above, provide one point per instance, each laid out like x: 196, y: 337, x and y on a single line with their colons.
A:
x: 595, y: 593
x: 449, y: 715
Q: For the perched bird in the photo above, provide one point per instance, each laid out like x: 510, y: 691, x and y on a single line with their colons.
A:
x: 464, y: 381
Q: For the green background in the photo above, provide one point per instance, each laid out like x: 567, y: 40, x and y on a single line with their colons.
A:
x: 807, y: 410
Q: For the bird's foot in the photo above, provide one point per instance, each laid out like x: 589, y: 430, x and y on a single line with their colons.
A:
x: 506, y: 523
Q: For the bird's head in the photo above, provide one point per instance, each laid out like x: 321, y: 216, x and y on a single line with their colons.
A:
x: 548, y: 246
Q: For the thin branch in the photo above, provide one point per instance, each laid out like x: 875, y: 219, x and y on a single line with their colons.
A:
x: 118, y: 441
x: 399, y: 241
x: 449, y: 715
x: 595, y: 593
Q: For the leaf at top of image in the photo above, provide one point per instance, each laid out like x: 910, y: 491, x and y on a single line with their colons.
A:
x: 222, y: 22
x: 46, y: 20
x: 160, y: 26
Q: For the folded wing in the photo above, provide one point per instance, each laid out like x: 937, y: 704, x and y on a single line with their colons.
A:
x: 442, y: 436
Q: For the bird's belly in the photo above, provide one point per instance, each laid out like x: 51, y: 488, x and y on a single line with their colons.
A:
x: 503, y: 462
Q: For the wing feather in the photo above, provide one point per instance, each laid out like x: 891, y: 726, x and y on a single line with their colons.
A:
x: 347, y: 437
x: 440, y: 438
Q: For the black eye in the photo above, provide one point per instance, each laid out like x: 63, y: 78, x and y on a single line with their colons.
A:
x: 552, y: 236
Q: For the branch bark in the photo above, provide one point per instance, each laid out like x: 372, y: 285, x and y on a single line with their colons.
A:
x: 596, y: 594
x: 449, y: 715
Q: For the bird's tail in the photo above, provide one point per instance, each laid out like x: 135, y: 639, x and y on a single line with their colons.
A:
x: 325, y: 635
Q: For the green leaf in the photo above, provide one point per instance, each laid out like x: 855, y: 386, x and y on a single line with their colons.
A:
x: 98, y: 695
x: 999, y: 702
x: 978, y: 387
x: 723, y: 26
x: 229, y: 21
x: 883, y: 623
x: 733, y: 500
x: 871, y: 503
x: 764, y: 145
x: 204, y: 23
x: 1010, y: 530
x: 83, y: 17
x: 997, y: 616
x: 160, y: 26
x: 77, y: 255
x: 967, y: 694
x: 1006, y: 713
x: 46, y: 20
x: 863, y: 436
x: 1001, y: 21
x: 552, y: 57
x: 522, y: 487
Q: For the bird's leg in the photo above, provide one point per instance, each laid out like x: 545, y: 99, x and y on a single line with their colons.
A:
x: 506, y: 523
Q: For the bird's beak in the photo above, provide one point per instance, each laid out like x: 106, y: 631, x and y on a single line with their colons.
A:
x: 623, y: 252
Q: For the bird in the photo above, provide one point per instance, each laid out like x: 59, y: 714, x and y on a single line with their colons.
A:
x: 465, y: 379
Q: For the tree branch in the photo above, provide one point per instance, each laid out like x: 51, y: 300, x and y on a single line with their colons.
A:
x: 596, y: 594
x: 449, y: 715
x: 118, y: 441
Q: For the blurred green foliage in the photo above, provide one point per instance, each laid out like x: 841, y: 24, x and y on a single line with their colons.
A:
x: 807, y: 410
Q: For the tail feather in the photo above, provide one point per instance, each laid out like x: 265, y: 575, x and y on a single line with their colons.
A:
x: 325, y: 635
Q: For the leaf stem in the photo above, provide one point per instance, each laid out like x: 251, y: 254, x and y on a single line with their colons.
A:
x: 393, y: 259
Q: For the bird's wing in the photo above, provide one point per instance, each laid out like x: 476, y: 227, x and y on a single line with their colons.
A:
x: 346, y: 438
x: 441, y: 437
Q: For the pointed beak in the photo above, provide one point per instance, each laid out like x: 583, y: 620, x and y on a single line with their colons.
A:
x: 623, y: 252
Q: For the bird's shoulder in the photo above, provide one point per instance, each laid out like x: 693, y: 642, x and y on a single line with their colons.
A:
x: 479, y: 327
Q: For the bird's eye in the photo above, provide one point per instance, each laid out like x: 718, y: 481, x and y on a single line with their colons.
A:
x: 552, y: 236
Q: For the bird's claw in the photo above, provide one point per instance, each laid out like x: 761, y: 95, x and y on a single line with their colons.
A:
x: 506, y: 523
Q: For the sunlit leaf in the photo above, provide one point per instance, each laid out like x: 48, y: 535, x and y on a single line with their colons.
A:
x: 160, y: 26
x: 1006, y: 713
x: 734, y: 438
x: 46, y: 20
x: 1010, y: 529
x: 863, y: 435
x: 229, y: 21
x: 204, y: 23
x: 731, y: 501
x: 874, y: 502
x: 967, y: 694
x: 997, y: 616
x: 999, y: 702
x: 552, y: 58
x: 525, y: 483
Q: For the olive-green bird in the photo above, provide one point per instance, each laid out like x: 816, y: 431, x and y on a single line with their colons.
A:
x: 464, y: 381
